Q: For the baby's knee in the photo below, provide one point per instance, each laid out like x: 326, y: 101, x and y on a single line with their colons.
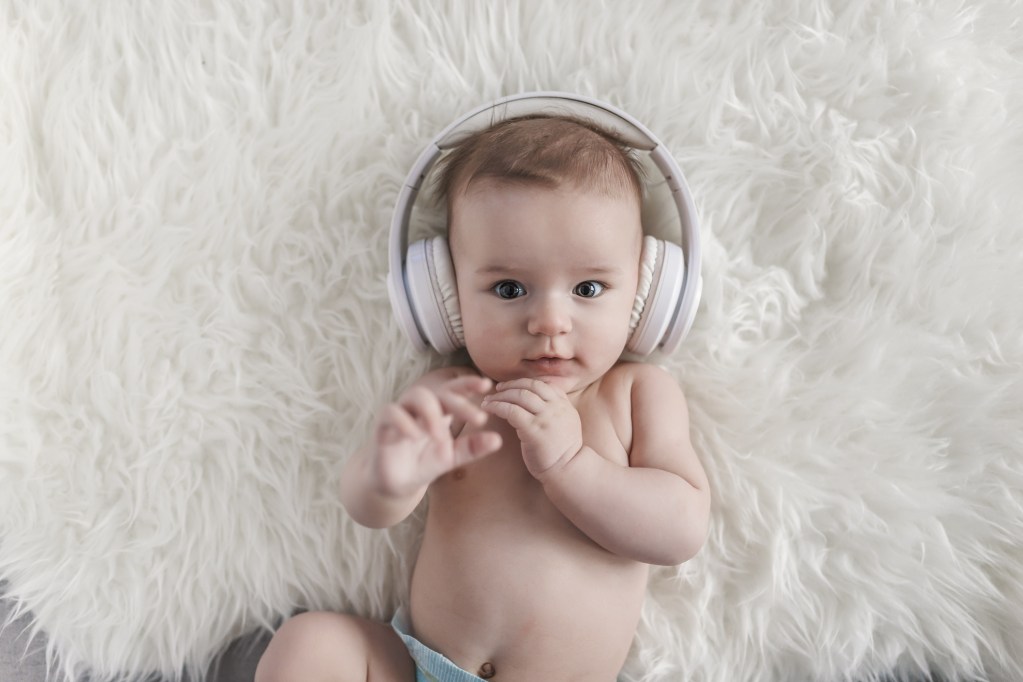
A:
x: 315, y: 646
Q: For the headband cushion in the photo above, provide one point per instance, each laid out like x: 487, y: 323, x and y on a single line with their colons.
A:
x: 432, y: 294
x: 447, y: 289
x: 647, y: 267
x: 656, y: 314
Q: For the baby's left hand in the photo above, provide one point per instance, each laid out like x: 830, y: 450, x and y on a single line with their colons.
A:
x: 546, y: 422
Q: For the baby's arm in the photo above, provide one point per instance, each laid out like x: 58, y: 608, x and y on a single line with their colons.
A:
x: 415, y: 441
x: 656, y: 510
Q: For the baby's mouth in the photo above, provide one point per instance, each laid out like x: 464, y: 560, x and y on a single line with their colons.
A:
x: 549, y: 364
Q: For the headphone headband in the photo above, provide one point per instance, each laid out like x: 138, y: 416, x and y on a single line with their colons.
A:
x: 629, y: 130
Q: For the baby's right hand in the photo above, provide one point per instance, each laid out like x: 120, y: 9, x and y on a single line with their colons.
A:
x: 414, y: 440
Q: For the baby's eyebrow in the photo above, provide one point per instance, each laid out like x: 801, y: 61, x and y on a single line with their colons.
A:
x: 603, y: 269
x: 494, y: 270
x: 595, y: 269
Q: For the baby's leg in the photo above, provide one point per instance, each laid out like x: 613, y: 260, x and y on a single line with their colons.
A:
x: 333, y: 647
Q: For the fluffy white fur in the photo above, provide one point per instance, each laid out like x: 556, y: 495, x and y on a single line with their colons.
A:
x: 194, y: 202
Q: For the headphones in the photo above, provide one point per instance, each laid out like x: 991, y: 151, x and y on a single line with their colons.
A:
x: 421, y: 278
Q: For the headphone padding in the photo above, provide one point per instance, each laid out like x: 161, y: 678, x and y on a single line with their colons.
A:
x: 432, y: 293
x: 647, y: 269
x: 660, y: 308
x: 447, y: 288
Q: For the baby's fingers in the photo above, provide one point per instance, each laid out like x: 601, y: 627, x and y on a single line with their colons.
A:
x: 424, y: 406
x: 471, y: 387
x: 395, y: 423
x: 536, y: 386
x: 464, y: 408
x: 474, y: 446
x: 516, y: 415
x: 516, y: 395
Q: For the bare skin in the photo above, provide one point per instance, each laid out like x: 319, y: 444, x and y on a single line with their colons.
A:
x: 555, y: 473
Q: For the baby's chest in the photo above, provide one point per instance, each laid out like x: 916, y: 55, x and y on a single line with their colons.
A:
x: 605, y: 414
x: 605, y: 434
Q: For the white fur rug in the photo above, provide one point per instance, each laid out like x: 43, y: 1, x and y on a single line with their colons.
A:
x: 194, y: 201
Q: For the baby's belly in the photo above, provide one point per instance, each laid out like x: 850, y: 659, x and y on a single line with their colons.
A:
x: 524, y: 591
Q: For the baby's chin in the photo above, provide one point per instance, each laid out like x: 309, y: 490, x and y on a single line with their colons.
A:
x: 567, y: 384
x: 571, y: 376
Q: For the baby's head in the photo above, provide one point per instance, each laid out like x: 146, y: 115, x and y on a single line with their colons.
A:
x: 545, y: 236
x: 543, y: 151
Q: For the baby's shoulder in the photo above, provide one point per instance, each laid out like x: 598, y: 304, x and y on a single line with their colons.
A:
x: 635, y: 389
x: 628, y: 378
x: 621, y: 395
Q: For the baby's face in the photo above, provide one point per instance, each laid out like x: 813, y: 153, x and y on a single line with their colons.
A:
x: 546, y: 280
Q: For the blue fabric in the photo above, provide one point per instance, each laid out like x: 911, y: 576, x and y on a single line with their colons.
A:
x: 431, y: 666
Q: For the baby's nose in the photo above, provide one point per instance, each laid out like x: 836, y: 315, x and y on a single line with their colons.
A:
x: 549, y: 317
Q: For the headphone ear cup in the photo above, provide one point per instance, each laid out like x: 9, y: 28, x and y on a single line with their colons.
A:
x: 447, y: 288
x: 658, y: 295
x: 647, y: 269
x: 433, y: 294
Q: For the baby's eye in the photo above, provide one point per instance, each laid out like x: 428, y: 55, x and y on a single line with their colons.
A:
x: 509, y: 289
x: 588, y: 289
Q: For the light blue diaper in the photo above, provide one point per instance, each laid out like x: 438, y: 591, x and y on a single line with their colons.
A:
x: 431, y: 666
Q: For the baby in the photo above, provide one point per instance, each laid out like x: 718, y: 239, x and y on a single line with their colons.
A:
x: 556, y: 472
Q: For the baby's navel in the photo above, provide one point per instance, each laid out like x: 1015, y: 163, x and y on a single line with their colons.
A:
x: 487, y: 671
x: 458, y: 474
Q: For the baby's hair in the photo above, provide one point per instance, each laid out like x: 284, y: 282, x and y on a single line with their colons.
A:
x: 546, y: 151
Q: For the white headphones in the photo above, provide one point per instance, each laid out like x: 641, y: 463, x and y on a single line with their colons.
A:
x: 421, y: 280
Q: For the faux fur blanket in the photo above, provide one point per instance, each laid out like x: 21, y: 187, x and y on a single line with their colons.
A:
x: 194, y: 202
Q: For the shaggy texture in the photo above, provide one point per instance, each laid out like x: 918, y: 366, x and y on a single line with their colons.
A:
x: 194, y: 201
